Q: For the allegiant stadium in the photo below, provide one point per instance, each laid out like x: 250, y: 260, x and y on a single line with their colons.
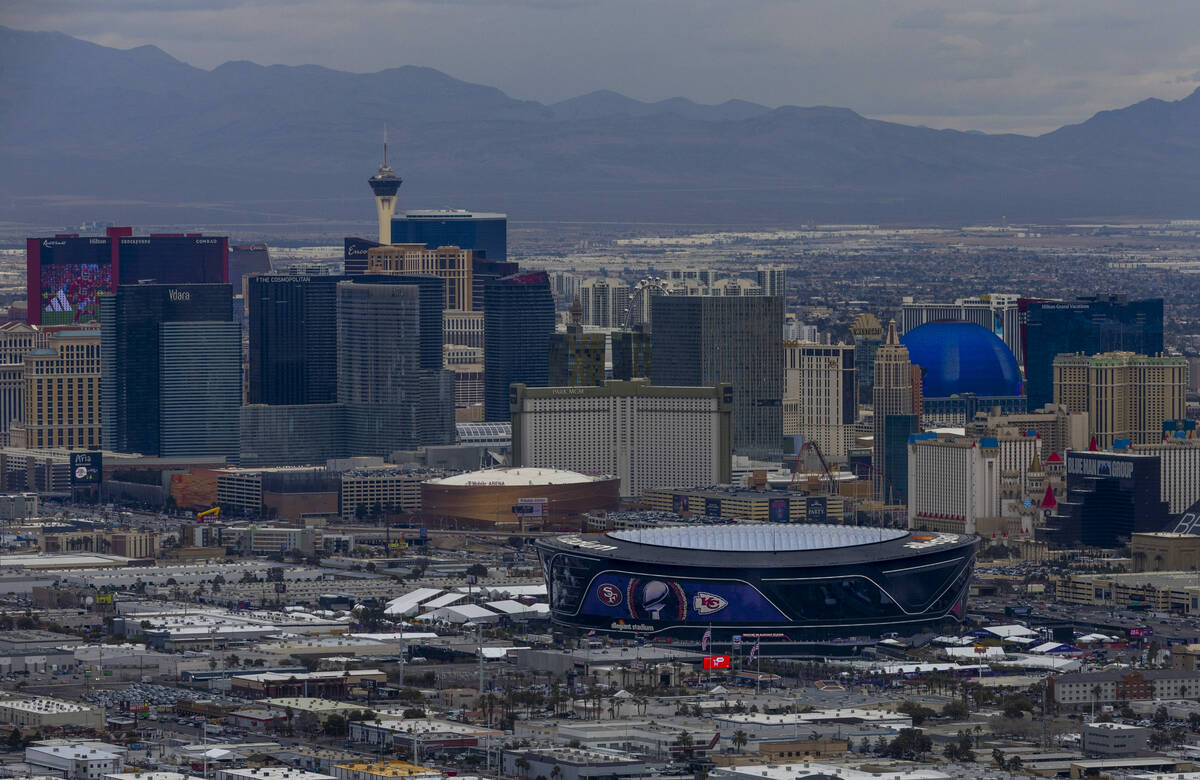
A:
x: 776, y: 583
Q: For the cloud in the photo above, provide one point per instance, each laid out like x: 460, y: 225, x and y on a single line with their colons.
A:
x: 985, y: 64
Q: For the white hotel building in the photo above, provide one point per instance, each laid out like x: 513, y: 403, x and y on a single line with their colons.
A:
x: 819, y: 401
x: 647, y: 436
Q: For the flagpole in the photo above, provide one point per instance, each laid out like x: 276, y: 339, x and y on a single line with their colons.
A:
x: 757, y: 668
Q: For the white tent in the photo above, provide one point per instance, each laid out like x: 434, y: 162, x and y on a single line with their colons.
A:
x: 1008, y: 632
x: 988, y: 653
x: 410, y: 603
x: 444, y: 600
x: 459, y: 614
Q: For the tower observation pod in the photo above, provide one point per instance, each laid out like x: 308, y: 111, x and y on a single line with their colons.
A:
x: 385, y: 184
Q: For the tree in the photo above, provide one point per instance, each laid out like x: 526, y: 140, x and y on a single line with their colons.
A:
x: 309, y: 723
x: 910, y: 744
x: 1161, y: 716
x: 1159, y: 739
x: 956, y: 710
x: 522, y: 765
x: 684, y: 739
x: 960, y: 750
x: 1014, y: 705
x: 917, y: 712
x: 477, y: 570
x: 335, y: 725
x: 739, y: 740
x: 14, y: 739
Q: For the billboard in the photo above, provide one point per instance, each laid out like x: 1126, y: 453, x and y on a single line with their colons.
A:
x: 354, y: 254
x: 712, y: 507
x: 716, y: 662
x: 679, y: 504
x: 68, y: 275
x: 816, y: 509
x: 779, y: 510
x: 621, y: 596
x: 87, y: 468
x: 173, y: 259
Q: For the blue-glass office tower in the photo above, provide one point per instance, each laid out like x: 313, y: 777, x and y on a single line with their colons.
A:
x: 390, y: 378
x: 518, y: 318
x: 486, y: 234
x: 171, y: 370
x: 293, y: 339
x: 1109, y: 497
x: 897, y: 430
x: 1087, y: 325
x: 737, y: 340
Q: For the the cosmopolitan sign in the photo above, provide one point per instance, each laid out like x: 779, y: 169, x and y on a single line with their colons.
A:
x: 1100, y: 467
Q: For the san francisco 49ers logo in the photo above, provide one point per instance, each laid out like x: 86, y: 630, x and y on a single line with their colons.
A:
x: 708, y: 603
x: 610, y: 594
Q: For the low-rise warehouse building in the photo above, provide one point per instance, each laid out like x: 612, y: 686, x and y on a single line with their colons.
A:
x: 40, y: 713
x: 1113, y: 739
x: 334, y: 684
x: 572, y: 764
x: 384, y: 770
x: 80, y: 761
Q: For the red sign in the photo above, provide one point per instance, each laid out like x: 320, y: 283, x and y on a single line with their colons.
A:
x: 716, y: 662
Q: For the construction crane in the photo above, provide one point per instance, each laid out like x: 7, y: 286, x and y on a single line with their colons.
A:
x: 215, y: 512
x: 797, y: 464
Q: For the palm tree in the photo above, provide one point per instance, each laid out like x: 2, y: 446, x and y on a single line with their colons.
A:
x: 522, y: 765
x: 739, y: 740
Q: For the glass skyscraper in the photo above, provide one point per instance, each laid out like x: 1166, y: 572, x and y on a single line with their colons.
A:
x: 171, y: 370
x: 518, y: 318
x: 293, y: 339
x: 1087, y: 325
x: 390, y: 378
x: 486, y: 234
x: 701, y: 341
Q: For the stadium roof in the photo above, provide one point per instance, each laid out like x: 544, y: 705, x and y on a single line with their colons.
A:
x: 516, y: 477
x: 758, y: 538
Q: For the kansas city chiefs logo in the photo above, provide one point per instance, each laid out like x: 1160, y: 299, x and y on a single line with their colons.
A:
x: 708, y: 603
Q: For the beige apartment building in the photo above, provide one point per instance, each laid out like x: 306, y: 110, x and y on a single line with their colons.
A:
x: 1125, y: 395
x: 62, y: 394
x: 450, y: 263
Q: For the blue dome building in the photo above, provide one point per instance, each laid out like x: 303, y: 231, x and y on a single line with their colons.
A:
x: 957, y: 358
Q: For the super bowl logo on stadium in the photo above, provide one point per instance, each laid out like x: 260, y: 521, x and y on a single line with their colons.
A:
x: 708, y: 603
x: 656, y: 600
x: 609, y: 594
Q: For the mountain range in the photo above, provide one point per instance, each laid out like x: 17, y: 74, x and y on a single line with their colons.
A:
x: 90, y: 132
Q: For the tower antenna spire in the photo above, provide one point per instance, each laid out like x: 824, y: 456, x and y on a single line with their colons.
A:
x: 385, y: 145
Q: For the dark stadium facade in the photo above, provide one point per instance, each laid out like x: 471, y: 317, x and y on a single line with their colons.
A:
x: 773, y: 583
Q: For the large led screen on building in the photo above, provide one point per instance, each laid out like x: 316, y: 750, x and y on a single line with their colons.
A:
x: 623, y: 597
x: 173, y: 259
x: 72, y: 274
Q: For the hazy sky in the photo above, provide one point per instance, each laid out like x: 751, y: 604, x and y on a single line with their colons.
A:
x: 1009, y: 65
